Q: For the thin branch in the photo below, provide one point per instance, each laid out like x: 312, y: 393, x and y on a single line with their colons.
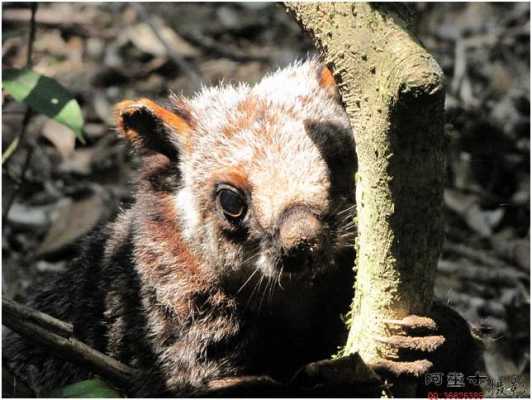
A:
x: 27, y: 116
x: 57, y: 335
x: 10, y: 149
x: 31, y: 38
x: 17, y: 310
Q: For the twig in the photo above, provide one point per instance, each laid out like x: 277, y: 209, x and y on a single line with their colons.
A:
x: 25, y: 120
x: 31, y: 38
x: 181, y: 63
x: 10, y: 149
x: 17, y: 310
x: 57, y: 335
x: 27, y: 116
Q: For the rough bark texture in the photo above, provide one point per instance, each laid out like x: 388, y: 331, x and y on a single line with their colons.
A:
x: 393, y: 92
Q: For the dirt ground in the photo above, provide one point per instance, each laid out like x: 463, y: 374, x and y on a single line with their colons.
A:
x: 109, y: 52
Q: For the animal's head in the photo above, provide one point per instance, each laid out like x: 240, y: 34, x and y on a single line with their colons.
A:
x: 264, y: 175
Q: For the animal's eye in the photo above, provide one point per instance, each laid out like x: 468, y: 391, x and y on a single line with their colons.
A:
x: 231, y: 201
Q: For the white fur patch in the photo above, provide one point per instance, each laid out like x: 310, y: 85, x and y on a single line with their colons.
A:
x: 186, y: 204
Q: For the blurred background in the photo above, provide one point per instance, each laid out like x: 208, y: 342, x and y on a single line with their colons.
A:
x: 55, y: 188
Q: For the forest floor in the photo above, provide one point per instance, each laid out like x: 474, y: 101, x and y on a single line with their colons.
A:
x: 108, y: 52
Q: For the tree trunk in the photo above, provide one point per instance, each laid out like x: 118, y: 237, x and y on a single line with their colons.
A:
x: 393, y: 93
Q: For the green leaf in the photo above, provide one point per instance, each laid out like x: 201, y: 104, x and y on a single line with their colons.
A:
x: 87, y: 389
x: 44, y: 95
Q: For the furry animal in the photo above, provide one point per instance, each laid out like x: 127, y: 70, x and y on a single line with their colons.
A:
x: 235, y: 258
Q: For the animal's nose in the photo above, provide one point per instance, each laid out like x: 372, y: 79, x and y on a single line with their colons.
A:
x: 299, y: 230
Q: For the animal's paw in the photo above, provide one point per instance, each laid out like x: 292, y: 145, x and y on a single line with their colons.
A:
x: 345, y: 376
x: 439, y: 343
x: 242, y: 386
x: 415, y: 339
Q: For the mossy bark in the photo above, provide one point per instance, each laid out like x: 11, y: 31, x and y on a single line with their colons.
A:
x: 393, y: 93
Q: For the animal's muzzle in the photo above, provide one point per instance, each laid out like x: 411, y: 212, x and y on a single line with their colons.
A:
x: 299, y: 232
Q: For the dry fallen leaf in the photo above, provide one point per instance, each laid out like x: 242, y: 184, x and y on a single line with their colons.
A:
x: 61, y: 136
x: 75, y: 219
x: 142, y: 36
x: 79, y: 162
x: 480, y: 220
x: 30, y: 217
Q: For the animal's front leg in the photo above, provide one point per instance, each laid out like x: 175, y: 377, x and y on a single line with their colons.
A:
x: 152, y: 384
x: 242, y: 386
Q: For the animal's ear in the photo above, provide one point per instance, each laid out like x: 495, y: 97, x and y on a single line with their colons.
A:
x: 327, y: 82
x: 150, y: 127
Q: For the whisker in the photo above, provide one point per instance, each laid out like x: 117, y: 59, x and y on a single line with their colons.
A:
x: 264, y: 294
x: 257, y: 285
x: 246, y: 282
x: 251, y: 257
x: 272, y: 289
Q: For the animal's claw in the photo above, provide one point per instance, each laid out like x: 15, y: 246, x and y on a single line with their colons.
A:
x: 412, y: 324
x: 417, y: 345
x: 413, y: 343
x: 415, y: 340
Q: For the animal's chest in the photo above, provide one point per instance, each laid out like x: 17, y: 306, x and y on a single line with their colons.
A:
x: 285, y: 338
